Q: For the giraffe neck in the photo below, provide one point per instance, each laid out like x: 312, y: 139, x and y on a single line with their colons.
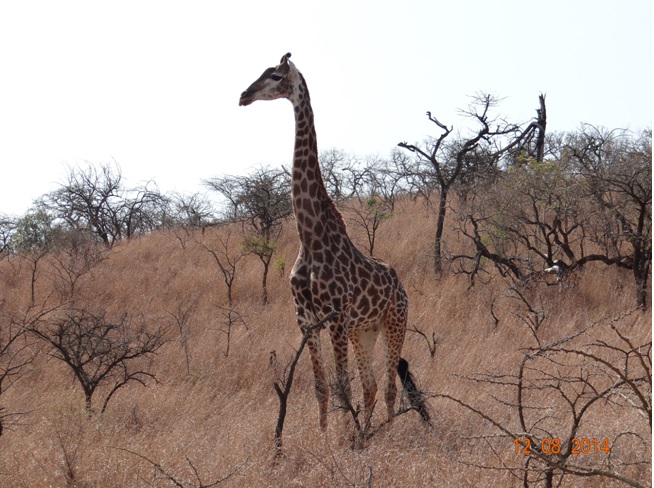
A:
x: 315, y: 212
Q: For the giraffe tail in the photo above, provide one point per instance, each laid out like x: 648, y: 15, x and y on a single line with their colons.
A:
x: 416, y: 397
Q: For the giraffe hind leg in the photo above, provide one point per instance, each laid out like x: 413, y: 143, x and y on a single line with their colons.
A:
x: 363, y: 342
x: 394, y: 330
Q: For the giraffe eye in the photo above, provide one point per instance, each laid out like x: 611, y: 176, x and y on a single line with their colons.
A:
x: 275, y: 77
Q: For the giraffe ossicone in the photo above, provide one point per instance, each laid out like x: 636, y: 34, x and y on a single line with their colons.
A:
x: 330, y: 273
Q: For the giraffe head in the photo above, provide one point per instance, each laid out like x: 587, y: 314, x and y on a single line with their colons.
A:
x: 274, y: 83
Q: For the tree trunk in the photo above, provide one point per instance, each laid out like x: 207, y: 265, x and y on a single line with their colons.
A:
x: 641, y: 272
x: 642, y: 258
x: 440, y: 223
x: 87, y: 402
x: 542, y: 124
x: 264, y: 280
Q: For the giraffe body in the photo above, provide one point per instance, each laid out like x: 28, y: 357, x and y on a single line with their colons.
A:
x: 330, y: 272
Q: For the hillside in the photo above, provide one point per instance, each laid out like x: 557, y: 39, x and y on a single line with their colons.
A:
x: 212, y: 410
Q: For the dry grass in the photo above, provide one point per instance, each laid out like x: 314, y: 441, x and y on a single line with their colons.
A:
x: 216, y: 413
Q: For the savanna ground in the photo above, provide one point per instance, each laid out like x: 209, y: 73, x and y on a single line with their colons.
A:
x: 210, y: 416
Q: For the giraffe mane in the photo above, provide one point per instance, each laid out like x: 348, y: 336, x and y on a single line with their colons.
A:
x: 330, y: 201
x: 337, y: 213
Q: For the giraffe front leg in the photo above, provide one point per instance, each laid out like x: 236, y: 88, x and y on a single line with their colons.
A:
x: 342, y: 388
x: 302, y: 297
x: 320, y: 377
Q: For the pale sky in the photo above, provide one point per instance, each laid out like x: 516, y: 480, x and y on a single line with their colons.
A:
x: 154, y: 85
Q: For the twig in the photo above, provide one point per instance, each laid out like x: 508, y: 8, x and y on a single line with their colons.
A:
x: 177, y: 482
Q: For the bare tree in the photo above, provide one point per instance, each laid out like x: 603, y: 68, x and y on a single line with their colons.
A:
x: 96, y: 201
x: 261, y: 198
x: 379, y: 183
x: 226, y: 255
x: 263, y: 247
x: 261, y: 201
x: 616, y: 170
x: 343, y: 174
x: 72, y: 261
x: 469, y: 156
x: 231, y: 318
x: 142, y: 210
x: 190, y: 211
x: 369, y: 213
x: 99, y: 349
x: 181, y: 317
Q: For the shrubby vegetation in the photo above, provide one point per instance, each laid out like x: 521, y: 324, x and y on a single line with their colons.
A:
x: 524, y: 200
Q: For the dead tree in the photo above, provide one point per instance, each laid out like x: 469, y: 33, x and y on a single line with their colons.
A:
x: 226, y: 256
x: 470, y: 156
x: 231, y: 318
x: 379, y: 183
x: 74, y: 259
x: 181, y: 317
x: 97, y: 202
x: 99, y: 349
x: 262, y: 202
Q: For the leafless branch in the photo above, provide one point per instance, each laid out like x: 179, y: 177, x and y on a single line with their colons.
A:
x: 177, y: 481
x: 283, y: 387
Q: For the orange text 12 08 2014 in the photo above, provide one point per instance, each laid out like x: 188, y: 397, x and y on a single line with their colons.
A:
x: 553, y: 445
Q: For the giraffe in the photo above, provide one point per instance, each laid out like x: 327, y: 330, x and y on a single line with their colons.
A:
x: 330, y: 273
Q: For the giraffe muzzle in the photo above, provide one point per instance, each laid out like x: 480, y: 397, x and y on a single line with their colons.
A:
x: 246, y: 99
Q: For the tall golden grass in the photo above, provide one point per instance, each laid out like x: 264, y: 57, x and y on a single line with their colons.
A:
x: 213, y: 415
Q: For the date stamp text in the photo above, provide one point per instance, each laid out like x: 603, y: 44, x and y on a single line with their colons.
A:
x: 582, y: 445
